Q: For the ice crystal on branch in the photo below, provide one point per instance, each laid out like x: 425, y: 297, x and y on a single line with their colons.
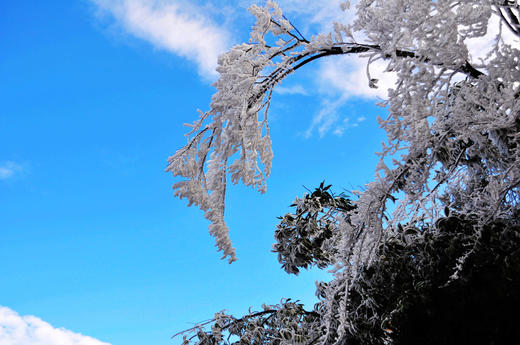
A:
x: 453, y: 143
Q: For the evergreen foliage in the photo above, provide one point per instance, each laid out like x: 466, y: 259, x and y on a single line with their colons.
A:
x: 422, y: 297
x: 307, y: 238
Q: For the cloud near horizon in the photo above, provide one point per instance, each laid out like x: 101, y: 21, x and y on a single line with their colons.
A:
x: 178, y: 27
x: 24, y: 330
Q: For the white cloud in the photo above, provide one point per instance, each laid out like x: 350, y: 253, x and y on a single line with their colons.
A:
x: 291, y: 90
x: 179, y: 27
x: 347, y: 75
x: 9, y: 169
x: 24, y: 330
x: 323, y: 121
x: 330, y: 120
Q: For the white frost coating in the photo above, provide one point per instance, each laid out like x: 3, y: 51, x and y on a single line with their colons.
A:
x: 237, y: 141
x: 451, y: 126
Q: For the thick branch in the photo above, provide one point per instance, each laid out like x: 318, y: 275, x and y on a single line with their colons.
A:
x: 343, y: 49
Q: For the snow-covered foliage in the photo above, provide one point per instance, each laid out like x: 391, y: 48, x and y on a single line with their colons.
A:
x: 453, y: 131
x: 308, y: 237
x: 287, y: 323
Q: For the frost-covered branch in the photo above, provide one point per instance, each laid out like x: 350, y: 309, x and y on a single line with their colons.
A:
x: 230, y: 139
x: 452, y: 147
x: 287, y: 323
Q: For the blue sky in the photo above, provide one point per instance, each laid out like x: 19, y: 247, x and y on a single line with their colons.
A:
x: 94, y: 98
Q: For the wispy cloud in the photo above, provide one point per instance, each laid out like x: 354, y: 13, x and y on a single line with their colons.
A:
x: 347, y: 123
x: 22, y: 330
x: 323, y: 121
x: 8, y: 170
x: 179, y: 27
x: 291, y: 90
x: 340, y: 80
x: 330, y: 119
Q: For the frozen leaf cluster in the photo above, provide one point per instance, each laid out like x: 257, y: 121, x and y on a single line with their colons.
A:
x: 308, y: 237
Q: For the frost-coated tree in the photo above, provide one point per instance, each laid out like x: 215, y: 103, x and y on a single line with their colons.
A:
x: 450, y: 167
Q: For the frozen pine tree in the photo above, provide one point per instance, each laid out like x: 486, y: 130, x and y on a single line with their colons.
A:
x: 451, y: 154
